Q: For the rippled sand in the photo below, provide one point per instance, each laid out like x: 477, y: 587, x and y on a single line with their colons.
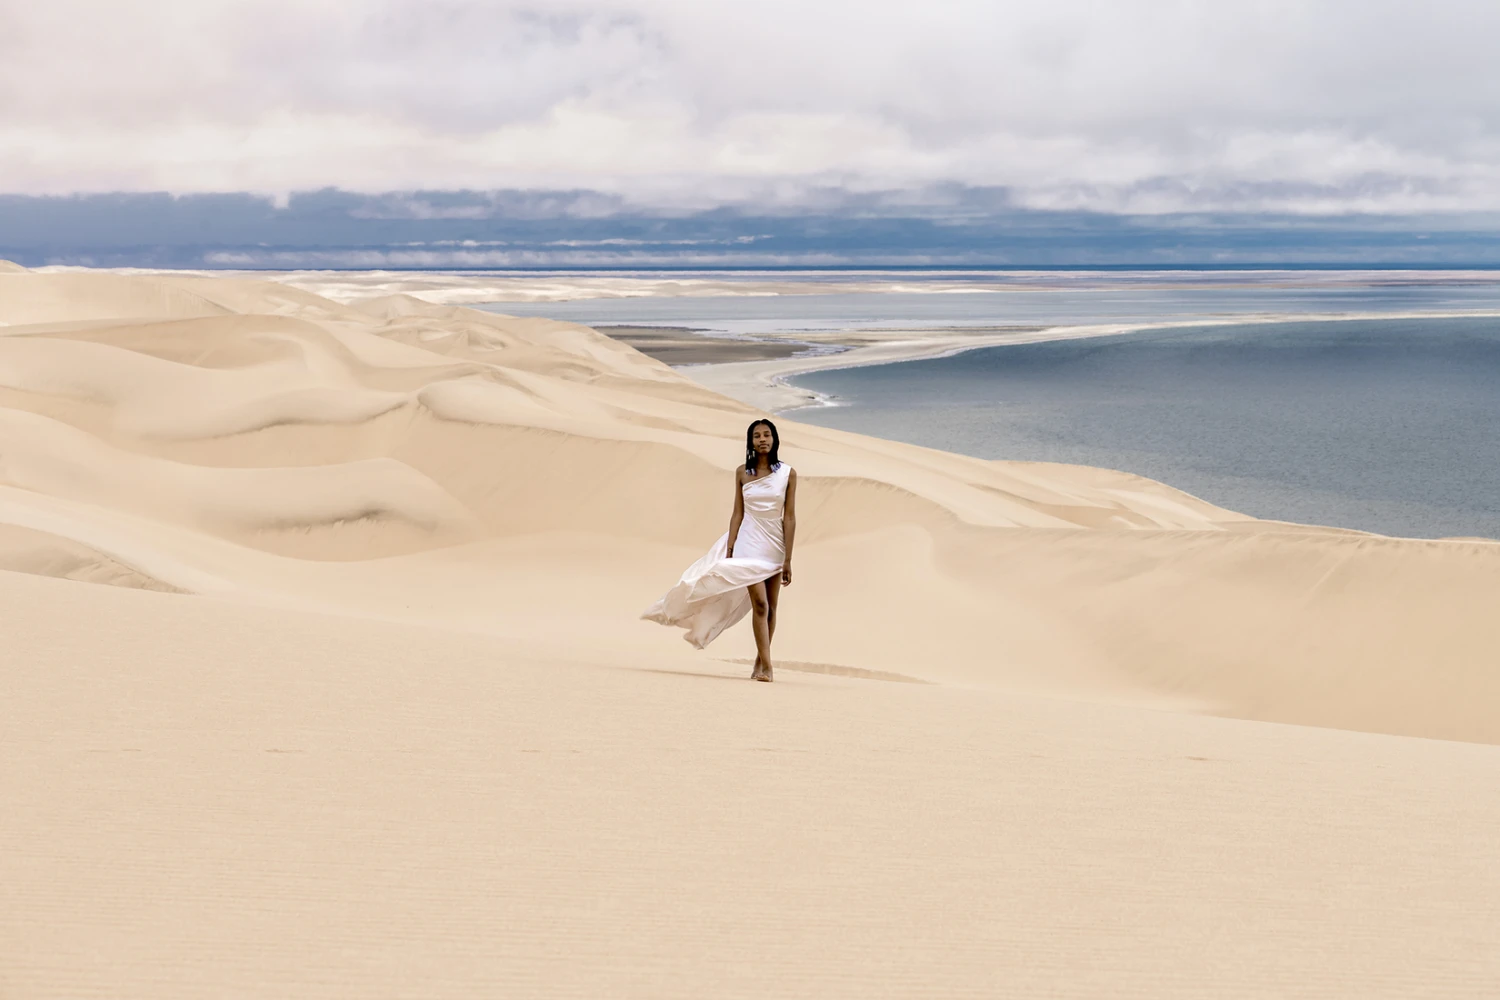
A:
x: 323, y: 677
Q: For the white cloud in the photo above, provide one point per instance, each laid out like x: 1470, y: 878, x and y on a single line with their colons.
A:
x: 1140, y: 105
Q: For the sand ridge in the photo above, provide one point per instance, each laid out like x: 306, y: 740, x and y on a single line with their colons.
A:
x: 272, y: 803
x: 253, y: 434
x: 324, y: 674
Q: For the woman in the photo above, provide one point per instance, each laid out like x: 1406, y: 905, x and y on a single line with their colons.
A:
x: 748, y: 566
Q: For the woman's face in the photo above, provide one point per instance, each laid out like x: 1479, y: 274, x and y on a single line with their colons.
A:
x: 761, y: 439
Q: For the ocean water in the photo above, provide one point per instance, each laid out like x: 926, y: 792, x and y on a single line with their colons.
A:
x: 900, y: 302
x: 1385, y: 425
x: 1388, y: 425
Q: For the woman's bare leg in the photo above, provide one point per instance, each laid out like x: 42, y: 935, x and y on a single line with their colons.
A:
x: 773, y: 596
x: 760, y: 609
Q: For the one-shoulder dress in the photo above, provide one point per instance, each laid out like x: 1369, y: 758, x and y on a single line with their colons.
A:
x: 711, y: 595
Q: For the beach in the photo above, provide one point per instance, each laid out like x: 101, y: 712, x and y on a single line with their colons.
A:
x: 325, y: 676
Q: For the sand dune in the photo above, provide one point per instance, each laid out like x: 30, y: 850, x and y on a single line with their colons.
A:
x: 274, y: 803
x: 362, y: 556
x: 285, y: 424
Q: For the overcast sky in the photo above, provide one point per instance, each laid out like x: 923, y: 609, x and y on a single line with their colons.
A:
x: 1300, y: 106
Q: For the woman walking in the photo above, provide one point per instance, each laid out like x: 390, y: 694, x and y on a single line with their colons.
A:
x: 749, y: 564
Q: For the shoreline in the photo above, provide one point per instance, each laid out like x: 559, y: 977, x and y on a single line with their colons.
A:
x: 767, y: 386
x: 494, y: 287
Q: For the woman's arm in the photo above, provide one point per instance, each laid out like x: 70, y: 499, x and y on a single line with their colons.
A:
x: 738, y: 514
x: 789, y: 526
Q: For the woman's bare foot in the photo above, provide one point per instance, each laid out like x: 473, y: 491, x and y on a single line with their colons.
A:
x: 761, y: 672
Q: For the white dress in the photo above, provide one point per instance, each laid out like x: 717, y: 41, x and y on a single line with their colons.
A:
x: 711, y: 595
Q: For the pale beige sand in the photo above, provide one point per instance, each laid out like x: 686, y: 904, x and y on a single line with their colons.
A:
x: 367, y: 709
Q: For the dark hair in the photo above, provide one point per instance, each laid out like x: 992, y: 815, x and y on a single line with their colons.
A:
x: 750, y: 444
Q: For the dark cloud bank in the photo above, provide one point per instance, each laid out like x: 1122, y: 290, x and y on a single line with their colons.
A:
x: 501, y: 229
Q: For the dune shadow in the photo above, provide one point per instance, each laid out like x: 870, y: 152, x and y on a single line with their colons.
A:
x: 838, y: 670
x: 693, y: 673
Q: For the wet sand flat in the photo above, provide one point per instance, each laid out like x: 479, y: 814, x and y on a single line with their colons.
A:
x: 674, y: 345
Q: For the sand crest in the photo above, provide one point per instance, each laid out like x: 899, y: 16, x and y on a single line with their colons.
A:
x: 324, y: 678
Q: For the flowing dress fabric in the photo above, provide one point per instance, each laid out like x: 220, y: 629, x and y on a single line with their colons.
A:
x: 711, y: 595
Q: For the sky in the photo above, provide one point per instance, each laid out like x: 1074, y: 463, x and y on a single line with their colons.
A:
x: 1309, y: 115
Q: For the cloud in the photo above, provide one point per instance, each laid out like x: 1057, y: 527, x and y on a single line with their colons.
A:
x: 1291, y: 106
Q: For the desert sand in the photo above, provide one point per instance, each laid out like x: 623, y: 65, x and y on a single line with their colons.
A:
x: 323, y: 677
